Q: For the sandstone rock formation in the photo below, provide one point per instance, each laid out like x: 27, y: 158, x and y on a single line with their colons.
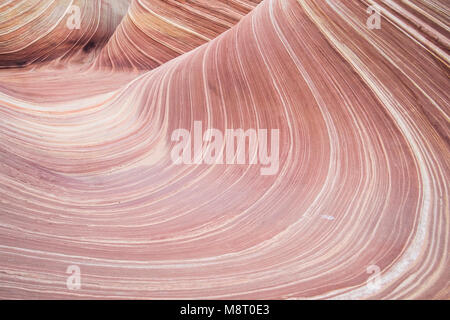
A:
x: 86, y: 176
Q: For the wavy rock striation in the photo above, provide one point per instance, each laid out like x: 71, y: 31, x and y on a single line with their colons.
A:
x: 86, y: 176
x: 156, y: 31
x: 44, y: 30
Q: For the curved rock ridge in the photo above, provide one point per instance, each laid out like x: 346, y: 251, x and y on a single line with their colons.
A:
x: 44, y: 30
x: 359, y: 207
x: 156, y: 31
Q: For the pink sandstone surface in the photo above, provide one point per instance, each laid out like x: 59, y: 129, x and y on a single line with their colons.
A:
x: 86, y: 176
